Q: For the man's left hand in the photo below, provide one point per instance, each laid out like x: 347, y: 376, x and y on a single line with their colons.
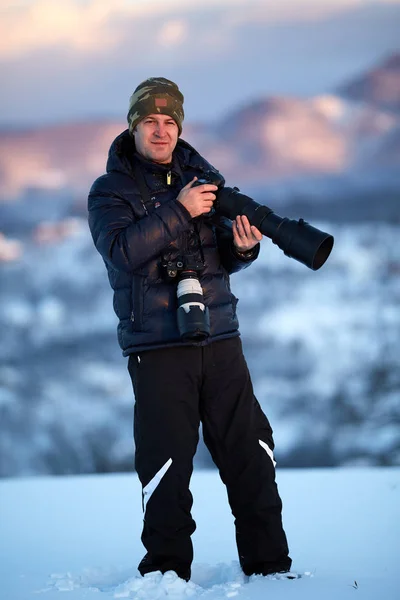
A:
x: 245, y: 236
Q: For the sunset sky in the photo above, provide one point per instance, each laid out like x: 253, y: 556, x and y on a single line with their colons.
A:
x: 82, y: 58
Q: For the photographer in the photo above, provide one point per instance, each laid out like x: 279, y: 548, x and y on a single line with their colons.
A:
x: 169, y: 259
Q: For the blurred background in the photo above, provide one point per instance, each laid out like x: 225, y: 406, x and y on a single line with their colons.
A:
x: 297, y: 102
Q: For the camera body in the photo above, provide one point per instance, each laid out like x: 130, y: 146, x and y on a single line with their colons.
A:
x: 192, y: 315
x: 214, y: 178
x: 173, y: 270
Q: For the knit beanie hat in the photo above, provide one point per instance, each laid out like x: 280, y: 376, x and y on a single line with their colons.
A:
x: 152, y: 96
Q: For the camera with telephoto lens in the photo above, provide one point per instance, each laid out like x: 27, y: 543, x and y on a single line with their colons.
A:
x: 193, y: 315
x: 297, y: 239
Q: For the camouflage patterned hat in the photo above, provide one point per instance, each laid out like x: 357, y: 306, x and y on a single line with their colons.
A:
x: 155, y: 95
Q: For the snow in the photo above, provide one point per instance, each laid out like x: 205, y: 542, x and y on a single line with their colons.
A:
x: 78, y: 537
x: 322, y: 348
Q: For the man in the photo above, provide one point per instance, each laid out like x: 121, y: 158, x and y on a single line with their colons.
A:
x: 146, y: 214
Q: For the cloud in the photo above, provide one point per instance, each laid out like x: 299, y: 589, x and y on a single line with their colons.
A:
x: 173, y: 33
x: 74, y: 59
x: 45, y: 24
x: 91, y: 26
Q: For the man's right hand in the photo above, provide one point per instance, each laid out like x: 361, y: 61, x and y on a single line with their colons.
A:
x: 197, y: 200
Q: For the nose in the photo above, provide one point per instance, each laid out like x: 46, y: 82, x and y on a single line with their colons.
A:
x: 160, y: 130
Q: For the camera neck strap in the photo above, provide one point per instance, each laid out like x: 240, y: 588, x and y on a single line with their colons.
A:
x: 143, y: 187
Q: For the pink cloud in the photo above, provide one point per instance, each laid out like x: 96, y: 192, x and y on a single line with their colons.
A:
x: 89, y: 27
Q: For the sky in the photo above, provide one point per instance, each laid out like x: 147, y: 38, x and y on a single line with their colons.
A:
x: 83, y: 58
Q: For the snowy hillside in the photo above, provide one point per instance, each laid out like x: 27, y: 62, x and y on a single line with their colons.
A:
x: 323, y: 349
x: 81, y: 536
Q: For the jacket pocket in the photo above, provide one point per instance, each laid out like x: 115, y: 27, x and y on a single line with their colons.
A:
x: 137, y: 303
x: 234, y: 305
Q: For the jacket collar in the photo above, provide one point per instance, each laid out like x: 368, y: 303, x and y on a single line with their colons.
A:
x: 123, y: 152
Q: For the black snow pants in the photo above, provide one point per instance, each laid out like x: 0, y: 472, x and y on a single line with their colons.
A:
x: 175, y: 389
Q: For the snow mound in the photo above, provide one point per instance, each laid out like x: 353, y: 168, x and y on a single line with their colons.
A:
x: 223, y: 580
x: 157, y: 587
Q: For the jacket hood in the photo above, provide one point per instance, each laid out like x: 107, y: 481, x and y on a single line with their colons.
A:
x: 121, y: 155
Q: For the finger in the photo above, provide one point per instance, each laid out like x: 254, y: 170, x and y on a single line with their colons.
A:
x: 207, y: 187
x: 236, y: 237
x: 256, y: 233
x: 208, y: 203
x: 189, y: 185
x: 208, y: 196
x: 246, y: 226
x: 240, y: 227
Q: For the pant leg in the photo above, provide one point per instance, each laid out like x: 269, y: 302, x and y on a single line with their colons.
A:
x: 166, y: 430
x: 240, y: 440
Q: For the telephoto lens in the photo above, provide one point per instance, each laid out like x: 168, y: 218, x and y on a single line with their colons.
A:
x: 297, y: 239
x: 193, y: 316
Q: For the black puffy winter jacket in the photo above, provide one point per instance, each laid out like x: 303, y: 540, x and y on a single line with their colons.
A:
x: 134, y: 236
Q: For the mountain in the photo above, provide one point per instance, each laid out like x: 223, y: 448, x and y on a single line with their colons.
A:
x: 388, y: 153
x: 379, y: 87
x: 55, y: 157
x: 274, y: 138
x: 271, y: 140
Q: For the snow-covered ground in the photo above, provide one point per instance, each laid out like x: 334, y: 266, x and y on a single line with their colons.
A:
x: 77, y: 538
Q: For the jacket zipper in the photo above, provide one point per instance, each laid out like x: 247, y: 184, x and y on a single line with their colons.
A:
x: 169, y: 178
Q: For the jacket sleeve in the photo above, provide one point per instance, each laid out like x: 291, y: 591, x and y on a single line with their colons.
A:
x: 230, y: 260
x: 124, y: 241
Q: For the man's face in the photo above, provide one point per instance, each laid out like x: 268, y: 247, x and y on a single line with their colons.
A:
x: 156, y: 137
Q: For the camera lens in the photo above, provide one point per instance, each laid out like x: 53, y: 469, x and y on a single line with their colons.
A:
x: 193, y: 315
